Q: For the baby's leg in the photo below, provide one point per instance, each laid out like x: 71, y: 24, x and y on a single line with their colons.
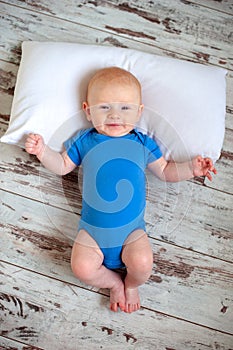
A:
x: 86, y: 263
x: 138, y: 259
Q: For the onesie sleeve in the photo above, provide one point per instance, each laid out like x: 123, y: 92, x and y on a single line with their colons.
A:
x: 153, y: 151
x: 73, y: 148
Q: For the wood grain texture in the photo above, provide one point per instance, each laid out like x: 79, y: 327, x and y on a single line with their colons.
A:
x: 9, y: 344
x: 35, y: 307
x: 225, y: 6
x: 206, y: 35
x: 224, y: 180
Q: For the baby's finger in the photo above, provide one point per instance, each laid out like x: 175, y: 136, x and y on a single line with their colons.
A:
x: 30, y: 142
x: 34, y: 137
x: 30, y: 137
x: 208, y: 175
x: 37, y: 137
x: 30, y: 150
x: 210, y: 164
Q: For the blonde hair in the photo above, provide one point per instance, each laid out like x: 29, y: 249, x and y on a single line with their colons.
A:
x: 112, y: 75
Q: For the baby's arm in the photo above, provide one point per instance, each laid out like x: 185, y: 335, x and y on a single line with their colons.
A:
x: 174, y: 172
x: 58, y: 163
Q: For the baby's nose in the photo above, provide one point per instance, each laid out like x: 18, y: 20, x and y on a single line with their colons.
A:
x: 114, y: 114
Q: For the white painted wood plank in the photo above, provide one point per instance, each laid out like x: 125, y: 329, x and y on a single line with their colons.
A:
x: 225, y: 6
x: 191, y: 216
x: 19, y: 24
x: 8, y: 73
x: 34, y: 236
x: 51, y: 314
x: 229, y: 99
x: 9, y: 344
x: 228, y: 141
x: 204, y: 36
x: 4, y: 122
x: 147, y: 6
x: 23, y: 174
x: 41, y: 236
x: 224, y: 180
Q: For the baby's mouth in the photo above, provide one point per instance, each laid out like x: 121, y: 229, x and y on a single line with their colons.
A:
x: 114, y: 124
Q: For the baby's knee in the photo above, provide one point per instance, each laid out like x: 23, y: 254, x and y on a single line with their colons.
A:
x: 146, y: 263
x: 85, y: 261
x: 82, y: 269
x: 142, y: 263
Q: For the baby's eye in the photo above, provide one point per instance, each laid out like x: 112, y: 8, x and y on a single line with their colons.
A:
x: 125, y: 108
x: 104, y: 107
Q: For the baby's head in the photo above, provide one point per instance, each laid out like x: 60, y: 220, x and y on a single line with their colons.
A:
x: 113, y: 101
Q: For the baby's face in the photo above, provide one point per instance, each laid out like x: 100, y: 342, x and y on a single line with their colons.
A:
x: 114, y: 108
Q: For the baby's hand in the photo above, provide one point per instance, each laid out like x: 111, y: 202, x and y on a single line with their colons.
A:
x: 203, y: 167
x: 34, y: 144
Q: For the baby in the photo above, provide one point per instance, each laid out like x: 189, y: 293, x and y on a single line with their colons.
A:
x: 114, y: 155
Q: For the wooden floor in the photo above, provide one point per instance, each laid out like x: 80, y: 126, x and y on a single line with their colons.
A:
x: 188, y: 301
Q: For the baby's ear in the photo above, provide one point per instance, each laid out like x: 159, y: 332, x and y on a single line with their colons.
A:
x: 86, y: 109
x: 141, y: 108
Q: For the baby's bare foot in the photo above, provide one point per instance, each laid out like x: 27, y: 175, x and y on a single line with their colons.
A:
x: 117, y: 297
x: 132, y: 300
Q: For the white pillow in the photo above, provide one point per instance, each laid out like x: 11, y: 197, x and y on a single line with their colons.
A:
x: 184, y: 101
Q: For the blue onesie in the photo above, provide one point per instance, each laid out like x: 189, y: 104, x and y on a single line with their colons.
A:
x: 113, y: 202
